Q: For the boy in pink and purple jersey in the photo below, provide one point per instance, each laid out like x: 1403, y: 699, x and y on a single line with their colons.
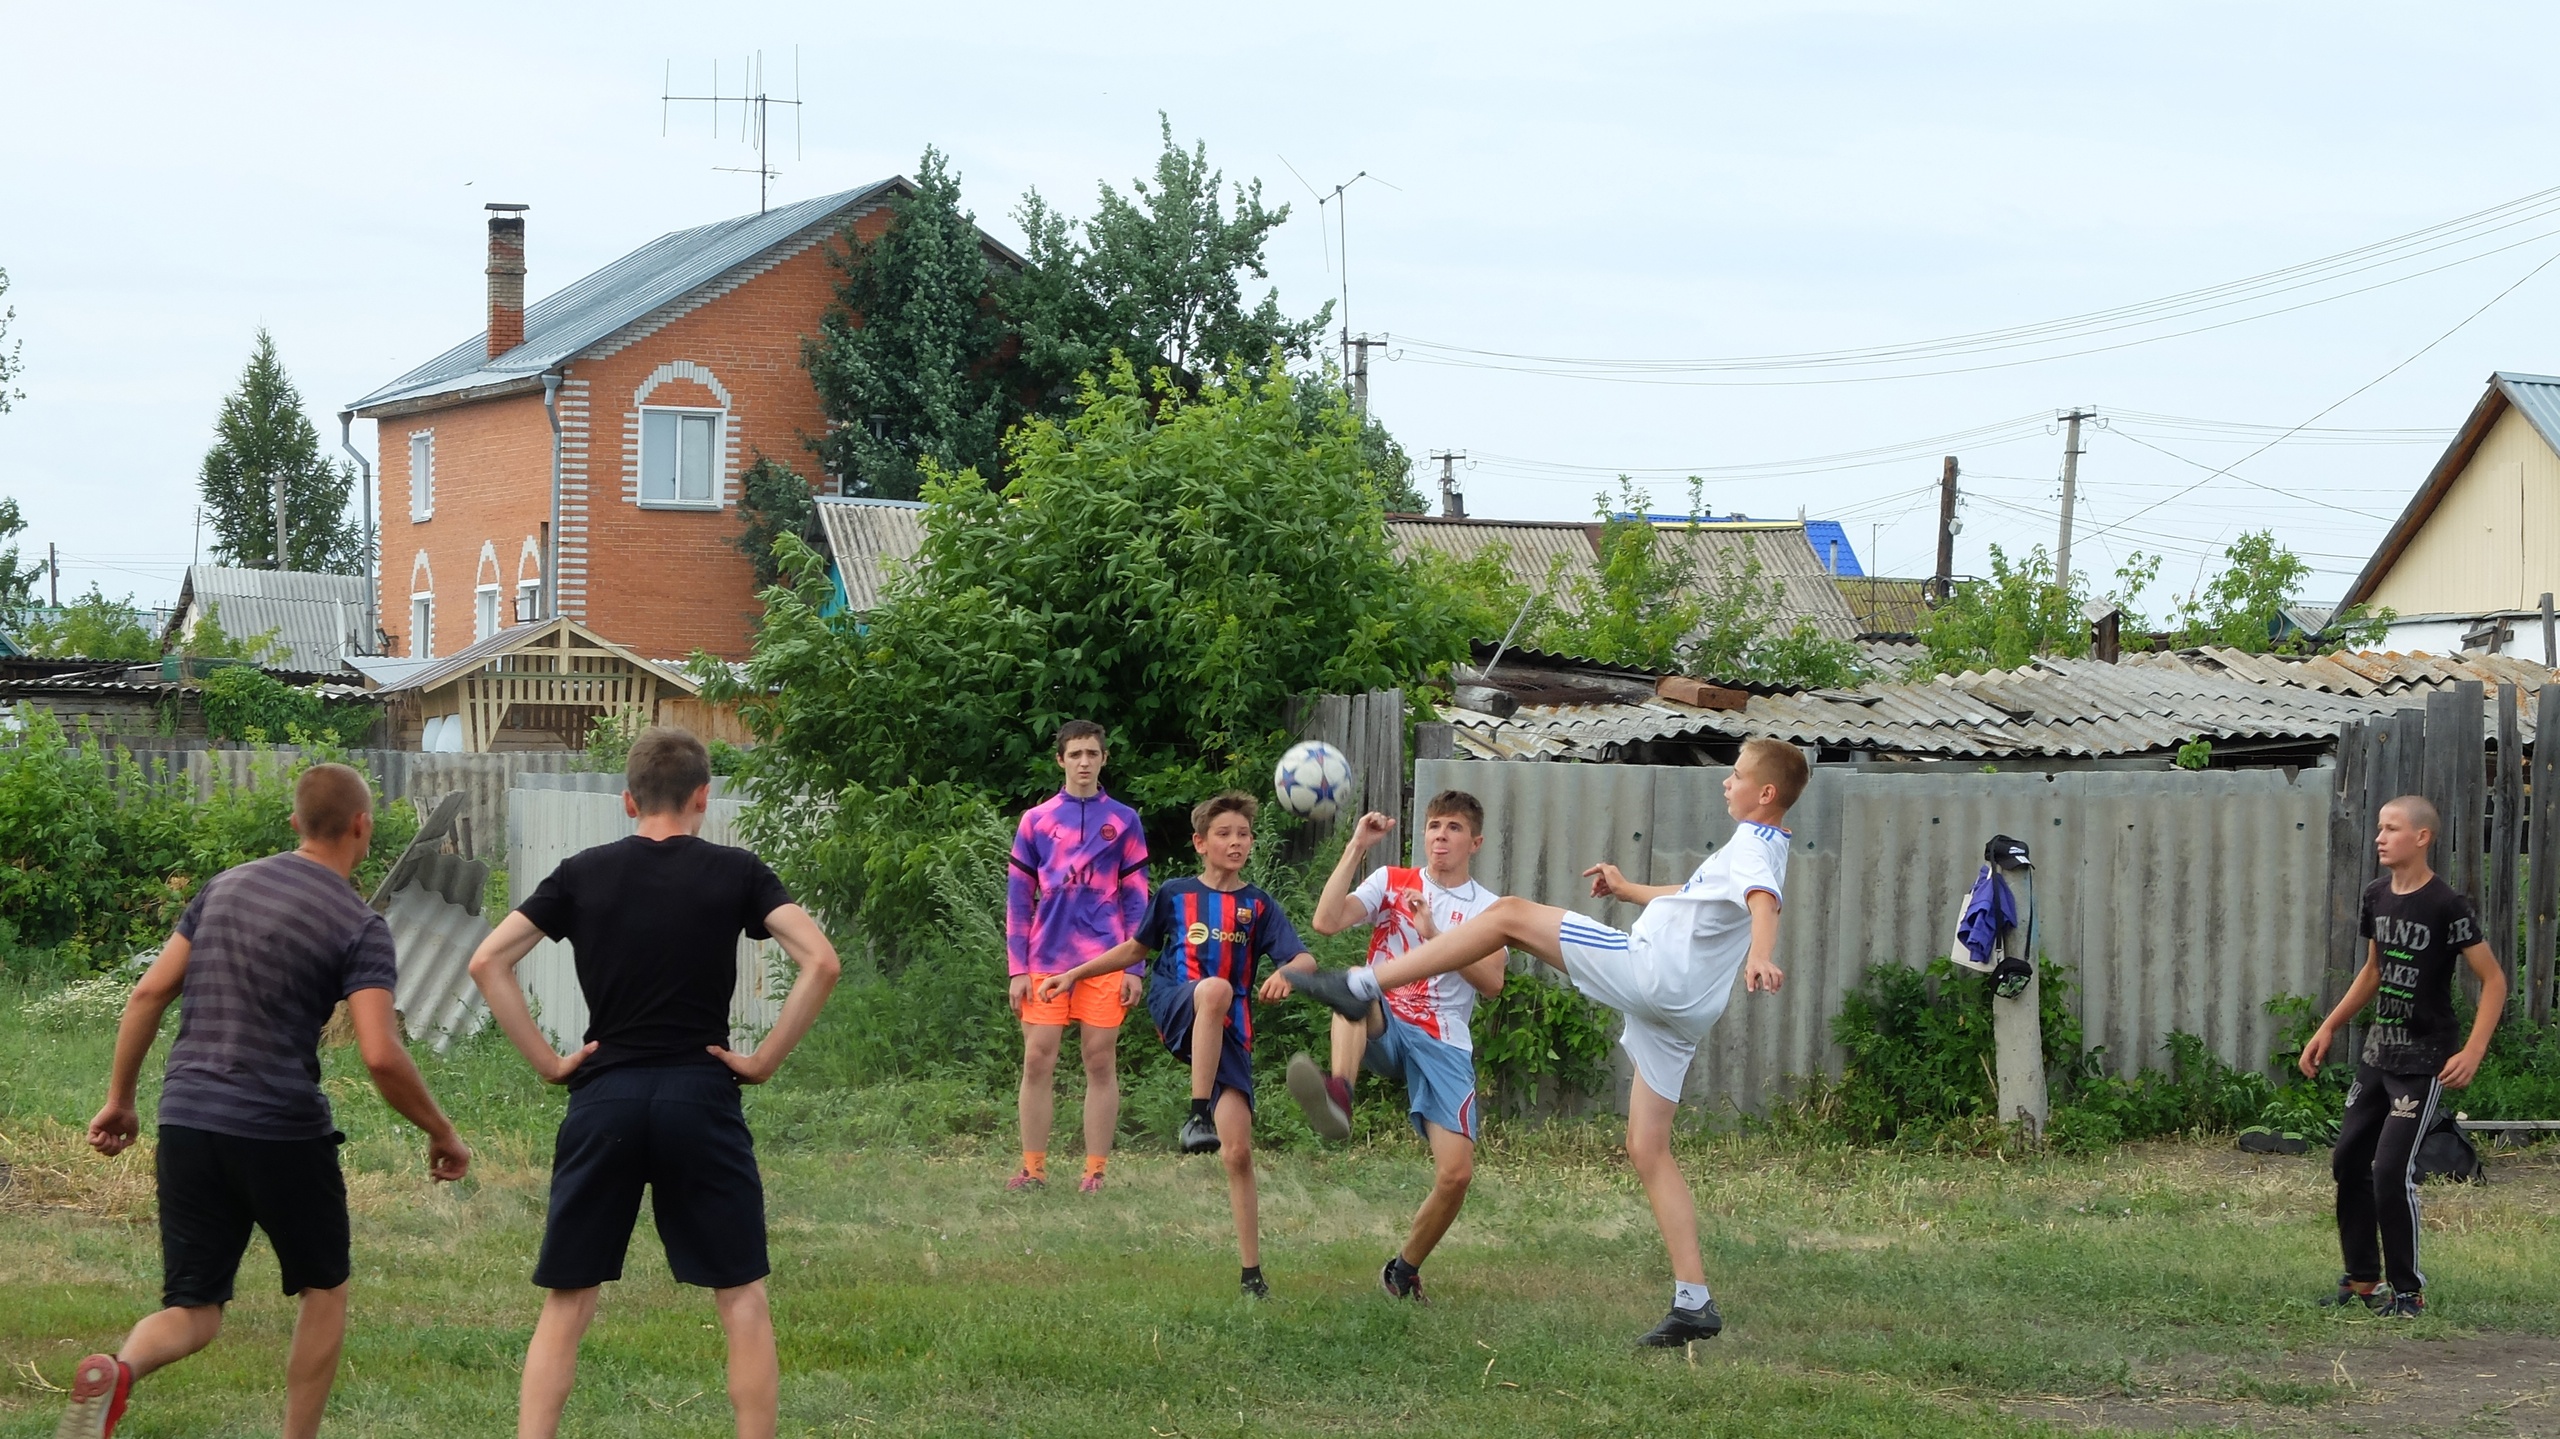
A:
x: 1078, y: 887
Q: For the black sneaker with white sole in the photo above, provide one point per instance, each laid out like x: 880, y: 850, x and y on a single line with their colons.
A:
x: 1684, y: 1326
x: 2402, y: 1306
x: 2348, y: 1297
x: 1253, y: 1286
x: 1332, y: 989
x: 1199, y: 1136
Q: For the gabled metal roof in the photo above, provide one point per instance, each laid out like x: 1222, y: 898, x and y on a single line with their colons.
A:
x: 2537, y: 396
x: 652, y: 284
x: 517, y: 637
x: 319, y: 619
x: 869, y: 540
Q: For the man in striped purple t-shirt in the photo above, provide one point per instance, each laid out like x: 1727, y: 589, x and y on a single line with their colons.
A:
x: 263, y: 956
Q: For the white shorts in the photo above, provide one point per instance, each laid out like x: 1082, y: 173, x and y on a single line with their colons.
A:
x: 1668, y: 1008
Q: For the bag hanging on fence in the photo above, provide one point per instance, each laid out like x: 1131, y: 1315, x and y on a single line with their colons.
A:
x: 1990, y: 939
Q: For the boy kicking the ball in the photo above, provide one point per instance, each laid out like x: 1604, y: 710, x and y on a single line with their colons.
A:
x: 1206, y: 935
x: 1670, y: 976
x: 1421, y: 1040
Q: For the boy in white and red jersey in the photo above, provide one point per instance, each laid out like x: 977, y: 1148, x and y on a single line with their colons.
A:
x: 1419, y: 1039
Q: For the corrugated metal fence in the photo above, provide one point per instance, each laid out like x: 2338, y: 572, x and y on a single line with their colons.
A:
x: 2175, y: 901
x: 546, y: 826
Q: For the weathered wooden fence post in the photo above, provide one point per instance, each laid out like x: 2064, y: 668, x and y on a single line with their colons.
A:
x: 2542, y: 840
x: 2506, y: 831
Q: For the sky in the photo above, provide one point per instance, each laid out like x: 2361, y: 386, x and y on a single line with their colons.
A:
x: 1630, y: 183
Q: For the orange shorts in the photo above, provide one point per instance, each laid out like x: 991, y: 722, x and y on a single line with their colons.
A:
x: 1094, y: 1002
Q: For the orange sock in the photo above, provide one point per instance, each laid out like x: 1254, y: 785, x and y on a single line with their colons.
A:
x: 1035, y: 1162
x: 1093, y: 1163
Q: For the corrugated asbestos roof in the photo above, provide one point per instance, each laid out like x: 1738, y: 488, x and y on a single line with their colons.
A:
x: 869, y: 541
x: 2052, y: 708
x: 1538, y: 548
x: 319, y: 619
x: 664, y: 274
x: 1886, y: 607
x: 1534, y: 549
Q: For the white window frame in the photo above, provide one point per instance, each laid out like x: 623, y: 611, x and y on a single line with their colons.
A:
x: 485, y: 619
x: 535, y: 587
x: 719, y: 458
x: 422, y: 476
x: 422, y: 626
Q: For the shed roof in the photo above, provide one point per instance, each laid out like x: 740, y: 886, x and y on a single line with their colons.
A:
x: 1886, y: 607
x: 2537, y: 396
x: 2051, y: 708
x: 319, y: 619
x: 1537, y: 549
x: 519, y: 637
x: 635, y: 294
x: 870, y: 540
x: 1533, y: 548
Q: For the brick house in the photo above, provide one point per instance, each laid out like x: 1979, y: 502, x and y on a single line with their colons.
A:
x: 581, y: 456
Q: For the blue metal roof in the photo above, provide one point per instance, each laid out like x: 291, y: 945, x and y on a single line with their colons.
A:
x: 663, y: 272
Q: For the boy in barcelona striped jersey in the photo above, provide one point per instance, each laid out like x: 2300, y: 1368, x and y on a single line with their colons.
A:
x: 1209, y: 935
x: 1670, y: 975
x: 1421, y: 1038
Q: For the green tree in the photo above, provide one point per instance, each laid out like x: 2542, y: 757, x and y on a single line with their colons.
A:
x: 908, y: 361
x: 1739, y: 637
x: 773, y: 501
x: 262, y: 433
x: 2243, y: 606
x: 94, y: 627
x: 1173, y: 568
x: 17, y: 580
x: 1156, y: 276
x: 1638, y: 604
x: 10, y: 361
x: 2021, y: 611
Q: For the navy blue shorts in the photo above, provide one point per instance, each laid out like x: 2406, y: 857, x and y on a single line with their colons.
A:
x: 1439, y: 1078
x: 1169, y: 1005
x: 678, y: 1131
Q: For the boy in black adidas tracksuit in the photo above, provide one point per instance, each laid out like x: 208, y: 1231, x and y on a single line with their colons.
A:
x: 2415, y: 926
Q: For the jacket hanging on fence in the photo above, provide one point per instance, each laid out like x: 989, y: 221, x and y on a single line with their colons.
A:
x: 1990, y: 912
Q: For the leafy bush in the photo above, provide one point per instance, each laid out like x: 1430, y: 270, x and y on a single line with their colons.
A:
x: 1539, y: 1033
x: 245, y: 703
x: 94, y: 863
x: 2520, y: 1078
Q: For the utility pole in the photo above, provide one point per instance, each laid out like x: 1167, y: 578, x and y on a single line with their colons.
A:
x: 1453, y: 505
x: 1356, y: 350
x: 1944, y: 583
x: 280, y: 520
x: 53, y: 567
x: 2070, y: 492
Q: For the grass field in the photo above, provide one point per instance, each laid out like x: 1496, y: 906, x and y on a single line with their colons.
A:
x: 2162, y: 1286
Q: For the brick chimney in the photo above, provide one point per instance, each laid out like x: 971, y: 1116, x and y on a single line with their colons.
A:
x: 506, y: 278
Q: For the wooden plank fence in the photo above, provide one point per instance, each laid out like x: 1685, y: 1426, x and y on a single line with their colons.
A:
x: 2496, y: 808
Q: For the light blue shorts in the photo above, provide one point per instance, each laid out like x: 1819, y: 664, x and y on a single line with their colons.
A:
x: 1439, y: 1078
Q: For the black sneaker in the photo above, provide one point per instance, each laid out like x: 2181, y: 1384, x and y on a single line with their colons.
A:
x: 1325, y: 1100
x: 1199, y: 1136
x: 1332, y: 989
x: 1253, y: 1287
x: 2347, y: 1298
x: 1401, y: 1280
x: 1684, y: 1326
x: 2402, y: 1306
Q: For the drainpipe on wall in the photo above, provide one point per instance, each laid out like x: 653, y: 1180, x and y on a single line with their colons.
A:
x: 551, y: 562
x: 346, y: 442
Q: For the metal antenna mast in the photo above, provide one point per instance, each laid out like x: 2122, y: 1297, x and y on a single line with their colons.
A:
x: 1354, y: 371
x: 755, y: 114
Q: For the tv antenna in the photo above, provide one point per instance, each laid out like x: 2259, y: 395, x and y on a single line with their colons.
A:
x: 755, y: 114
x: 1355, y: 371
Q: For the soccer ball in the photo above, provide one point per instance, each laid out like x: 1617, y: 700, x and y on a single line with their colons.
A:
x: 1311, y: 780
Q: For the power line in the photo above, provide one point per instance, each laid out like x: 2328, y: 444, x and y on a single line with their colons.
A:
x: 2351, y: 394
x: 2417, y: 244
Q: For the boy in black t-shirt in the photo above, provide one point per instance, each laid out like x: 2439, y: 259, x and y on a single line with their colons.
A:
x: 654, y: 921
x: 2414, y: 925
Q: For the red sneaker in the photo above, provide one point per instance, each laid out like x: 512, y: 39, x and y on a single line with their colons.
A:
x: 100, y: 1388
x: 1092, y: 1183
x: 1025, y: 1179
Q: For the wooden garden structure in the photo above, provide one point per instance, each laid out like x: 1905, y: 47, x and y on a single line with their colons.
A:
x: 538, y: 686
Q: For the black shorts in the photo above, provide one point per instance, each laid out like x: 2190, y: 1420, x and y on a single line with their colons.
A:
x: 678, y: 1131
x: 214, y: 1186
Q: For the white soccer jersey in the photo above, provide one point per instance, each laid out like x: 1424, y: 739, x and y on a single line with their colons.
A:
x: 1709, y: 921
x: 1438, y: 1006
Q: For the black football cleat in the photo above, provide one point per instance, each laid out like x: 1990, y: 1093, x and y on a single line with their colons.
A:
x: 1332, y: 989
x: 1199, y: 1136
x: 1684, y: 1326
